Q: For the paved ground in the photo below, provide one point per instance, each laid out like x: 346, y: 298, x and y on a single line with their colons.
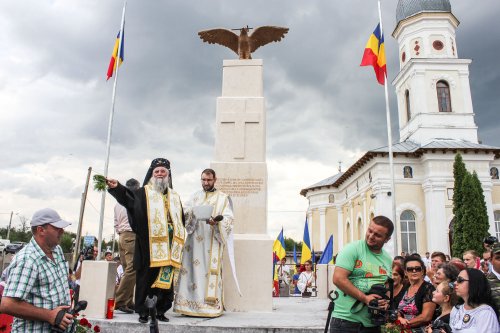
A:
x: 292, y: 314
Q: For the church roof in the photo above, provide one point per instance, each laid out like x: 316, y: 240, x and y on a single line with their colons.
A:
x: 325, y: 182
x: 403, y: 148
x: 407, y: 8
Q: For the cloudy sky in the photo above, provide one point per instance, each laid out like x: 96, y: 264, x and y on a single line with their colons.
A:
x: 321, y: 106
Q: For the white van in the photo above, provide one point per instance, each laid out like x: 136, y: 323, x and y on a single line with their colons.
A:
x: 3, y: 244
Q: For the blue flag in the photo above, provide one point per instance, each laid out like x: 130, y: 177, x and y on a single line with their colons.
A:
x: 294, y: 254
x: 327, y: 256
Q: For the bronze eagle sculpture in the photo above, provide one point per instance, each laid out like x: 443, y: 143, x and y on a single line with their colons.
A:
x: 244, y: 44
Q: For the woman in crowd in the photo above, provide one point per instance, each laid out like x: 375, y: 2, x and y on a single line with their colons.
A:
x: 471, y: 259
x: 446, y: 298
x: 400, y: 282
x: 478, y: 312
x: 307, y: 279
x: 416, y: 307
x: 446, y: 273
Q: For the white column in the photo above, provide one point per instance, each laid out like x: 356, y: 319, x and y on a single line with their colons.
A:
x: 310, y: 226
x: 383, y: 206
x: 487, y: 187
x: 351, y: 217
x: 435, y: 215
x: 365, y: 215
x: 322, y: 228
x: 340, y: 228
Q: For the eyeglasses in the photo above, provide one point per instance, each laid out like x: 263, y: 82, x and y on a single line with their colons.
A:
x: 461, y: 279
x: 414, y: 269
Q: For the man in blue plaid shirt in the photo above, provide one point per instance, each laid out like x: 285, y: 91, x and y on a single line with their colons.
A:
x: 37, y: 291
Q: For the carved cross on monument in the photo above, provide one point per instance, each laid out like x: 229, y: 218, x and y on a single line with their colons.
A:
x: 239, y: 119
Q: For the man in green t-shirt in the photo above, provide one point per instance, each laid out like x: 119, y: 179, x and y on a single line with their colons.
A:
x: 360, y: 265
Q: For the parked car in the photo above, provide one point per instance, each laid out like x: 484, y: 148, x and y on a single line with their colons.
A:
x: 14, y: 247
x: 3, y: 244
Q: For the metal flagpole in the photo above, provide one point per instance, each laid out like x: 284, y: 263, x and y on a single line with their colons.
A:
x: 389, y: 142
x: 110, y: 127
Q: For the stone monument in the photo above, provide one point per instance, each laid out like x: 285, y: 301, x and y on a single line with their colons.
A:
x: 240, y: 164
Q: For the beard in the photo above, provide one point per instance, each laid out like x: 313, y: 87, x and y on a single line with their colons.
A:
x: 159, y: 184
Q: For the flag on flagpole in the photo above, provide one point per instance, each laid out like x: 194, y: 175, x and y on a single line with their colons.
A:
x: 295, y: 254
x: 279, y: 246
x: 120, y: 39
x: 375, y: 55
x: 327, y: 256
x: 306, y: 246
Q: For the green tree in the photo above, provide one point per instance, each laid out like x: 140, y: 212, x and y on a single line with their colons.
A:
x: 459, y: 172
x: 67, y: 242
x: 289, y: 242
x: 472, y: 225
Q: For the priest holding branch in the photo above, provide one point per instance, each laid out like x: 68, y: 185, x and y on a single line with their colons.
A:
x: 209, y: 224
x: 158, y: 221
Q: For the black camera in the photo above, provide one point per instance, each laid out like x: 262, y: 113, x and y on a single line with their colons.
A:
x: 380, y: 316
x: 490, y: 240
x: 87, y: 252
x: 439, y: 325
x: 80, y: 306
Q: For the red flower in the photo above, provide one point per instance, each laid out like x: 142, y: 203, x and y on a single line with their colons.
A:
x: 84, y: 322
x: 97, y: 329
x: 89, y: 325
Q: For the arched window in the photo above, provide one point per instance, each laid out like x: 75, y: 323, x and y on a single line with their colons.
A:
x: 494, y: 173
x: 407, y: 172
x: 408, y: 105
x: 497, y: 223
x: 360, y: 228
x: 408, y: 232
x: 443, y: 94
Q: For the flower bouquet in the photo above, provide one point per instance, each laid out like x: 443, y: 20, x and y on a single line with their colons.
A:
x: 83, y: 326
x: 396, y: 327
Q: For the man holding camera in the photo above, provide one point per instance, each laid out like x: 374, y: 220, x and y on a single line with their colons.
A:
x: 361, y: 267
x: 37, y: 291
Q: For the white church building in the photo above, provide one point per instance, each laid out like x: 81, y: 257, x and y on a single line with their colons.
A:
x: 436, y: 121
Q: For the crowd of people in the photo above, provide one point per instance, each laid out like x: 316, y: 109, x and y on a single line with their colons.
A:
x: 160, y: 239
x: 434, y: 293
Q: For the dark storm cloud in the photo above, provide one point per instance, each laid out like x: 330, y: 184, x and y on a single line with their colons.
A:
x: 321, y: 106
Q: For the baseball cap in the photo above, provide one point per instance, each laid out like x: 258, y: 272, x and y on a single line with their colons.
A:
x: 48, y: 216
x: 495, y: 248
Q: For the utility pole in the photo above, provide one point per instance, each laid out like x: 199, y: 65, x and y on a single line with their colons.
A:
x: 10, y: 222
x: 80, y: 220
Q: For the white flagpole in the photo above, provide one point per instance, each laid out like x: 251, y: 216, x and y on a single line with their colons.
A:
x: 389, y: 142
x: 110, y: 127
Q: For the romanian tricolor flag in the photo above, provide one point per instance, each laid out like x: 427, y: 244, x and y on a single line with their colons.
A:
x: 114, y: 55
x: 279, y: 246
x: 306, y: 246
x: 375, y: 55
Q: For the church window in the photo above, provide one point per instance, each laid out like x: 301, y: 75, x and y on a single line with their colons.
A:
x: 494, y: 173
x: 403, y: 57
x: 408, y: 105
x: 331, y: 198
x: 408, y: 232
x: 497, y: 223
x: 443, y: 94
x: 438, y: 45
x: 408, y: 172
x: 360, y: 228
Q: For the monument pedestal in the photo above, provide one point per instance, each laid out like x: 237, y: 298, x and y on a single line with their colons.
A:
x: 97, y: 285
x: 240, y: 164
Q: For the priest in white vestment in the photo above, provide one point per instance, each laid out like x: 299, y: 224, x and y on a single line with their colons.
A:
x: 200, y: 287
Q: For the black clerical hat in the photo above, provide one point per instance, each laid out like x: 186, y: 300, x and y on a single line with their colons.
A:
x: 158, y: 162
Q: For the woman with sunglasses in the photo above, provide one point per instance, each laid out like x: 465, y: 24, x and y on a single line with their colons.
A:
x: 416, y: 307
x: 446, y: 298
x: 478, y: 312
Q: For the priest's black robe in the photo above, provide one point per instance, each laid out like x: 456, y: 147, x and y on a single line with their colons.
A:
x: 136, y: 205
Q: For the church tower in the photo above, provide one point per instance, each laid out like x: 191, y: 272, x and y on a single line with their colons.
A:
x: 432, y: 87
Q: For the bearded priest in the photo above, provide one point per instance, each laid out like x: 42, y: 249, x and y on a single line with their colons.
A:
x: 200, y: 285
x: 158, y: 222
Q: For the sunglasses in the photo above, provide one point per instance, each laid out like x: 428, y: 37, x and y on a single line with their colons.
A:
x: 414, y: 269
x: 461, y: 279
